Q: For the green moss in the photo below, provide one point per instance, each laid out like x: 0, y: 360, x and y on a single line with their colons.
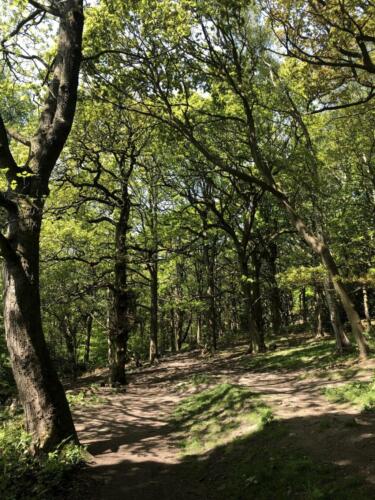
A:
x: 214, y: 416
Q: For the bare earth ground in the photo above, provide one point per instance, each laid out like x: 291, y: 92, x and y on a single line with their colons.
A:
x: 135, y: 450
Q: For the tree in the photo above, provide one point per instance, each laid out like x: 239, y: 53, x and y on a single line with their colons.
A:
x: 47, y: 413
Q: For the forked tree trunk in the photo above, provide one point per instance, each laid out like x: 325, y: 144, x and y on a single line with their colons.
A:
x: 42, y: 396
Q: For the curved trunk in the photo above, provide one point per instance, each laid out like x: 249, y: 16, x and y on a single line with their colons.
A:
x: 47, y: 413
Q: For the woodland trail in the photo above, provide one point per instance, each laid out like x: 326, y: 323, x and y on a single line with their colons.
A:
x: 135, y: 450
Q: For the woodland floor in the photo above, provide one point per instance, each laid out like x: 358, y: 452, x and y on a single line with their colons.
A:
x: 135, y: 447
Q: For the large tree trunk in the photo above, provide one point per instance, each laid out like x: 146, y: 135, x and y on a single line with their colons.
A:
x: 42, y: 396
x: 47, y: 413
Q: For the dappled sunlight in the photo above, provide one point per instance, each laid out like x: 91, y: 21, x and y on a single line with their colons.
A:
x: 208, y: 424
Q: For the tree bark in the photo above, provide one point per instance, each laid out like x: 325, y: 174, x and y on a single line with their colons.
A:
x: 122, y: 310
x: 342, y: 341
x: 318, y: 313
x: 366, y: 308
x: 275, y: 301
x: 153, y: 264
x: 47, y: 413
x: 86, y: 358
x: 209, y: 266
x: 248, y: 322
x: 154, y: 320
x: 257, y: 301
x: 42, y: 396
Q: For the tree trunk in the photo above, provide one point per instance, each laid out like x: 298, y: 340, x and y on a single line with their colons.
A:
x: 248, y: 323
x: 42, y: 396
x: 154, y: 320
x: 199, y: 330
x: 86, y: 358
x: 318, y: 313
x: 47, y: 413
x: 342, y: 341
x: 122, y: 315
x: 71, y: 345
x: 118, y: 337
x: 366, y: 308
x: 257, y: 302
x: 275, y: 301
x: 172, y: 330
x: 209, y: 266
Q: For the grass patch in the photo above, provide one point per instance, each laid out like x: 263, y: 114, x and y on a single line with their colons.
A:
x: 358, y: 393
x: 267, y: 465
x: 214, y: 415
x: 23, y: 476
x: 311, y: 355
x: 196, y: 381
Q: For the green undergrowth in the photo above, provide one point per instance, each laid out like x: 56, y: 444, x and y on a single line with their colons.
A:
x: 86, y: 397
x: 214, y: 416
x: 316, y: 354
x: 25, y: 477
x: 267, y: 465
x: 357, y: 393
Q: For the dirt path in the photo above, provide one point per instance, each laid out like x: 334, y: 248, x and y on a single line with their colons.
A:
x: 133, y: 445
